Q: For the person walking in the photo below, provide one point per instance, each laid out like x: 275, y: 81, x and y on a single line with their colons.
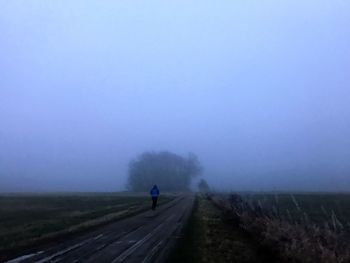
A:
x: 154, y: 193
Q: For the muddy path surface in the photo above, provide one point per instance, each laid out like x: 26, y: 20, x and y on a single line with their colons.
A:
x: 146, y: 237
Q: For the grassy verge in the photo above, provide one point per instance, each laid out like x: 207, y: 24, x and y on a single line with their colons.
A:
x: 209, y: 237
x: 32, y: 220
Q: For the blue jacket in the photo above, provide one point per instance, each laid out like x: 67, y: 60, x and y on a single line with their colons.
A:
x: 154, y: 191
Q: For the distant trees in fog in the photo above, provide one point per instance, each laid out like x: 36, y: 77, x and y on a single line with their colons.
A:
x: 203, y: 186
x: 171, y: 172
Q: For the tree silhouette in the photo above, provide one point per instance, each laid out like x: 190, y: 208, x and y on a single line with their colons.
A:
x: 203, y: 186
x: 169, y: 171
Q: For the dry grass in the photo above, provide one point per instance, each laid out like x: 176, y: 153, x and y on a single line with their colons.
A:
x: 210, y: 238
x: 294, y: 240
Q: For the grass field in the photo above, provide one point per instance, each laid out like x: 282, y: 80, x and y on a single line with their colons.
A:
x: 210, y: 237
x: 31, y: 219
x: 316, y: 208
x: 289, y: 229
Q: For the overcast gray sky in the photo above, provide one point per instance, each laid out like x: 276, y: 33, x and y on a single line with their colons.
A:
x: 259, y: 90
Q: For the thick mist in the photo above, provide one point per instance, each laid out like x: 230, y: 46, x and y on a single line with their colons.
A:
x: 258, y: 90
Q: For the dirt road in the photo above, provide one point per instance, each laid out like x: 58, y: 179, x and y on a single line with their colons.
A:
x: 147, y: 237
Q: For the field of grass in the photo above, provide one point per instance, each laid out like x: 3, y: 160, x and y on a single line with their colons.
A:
x: 299, y: 227
x: 31, y: 219
x: 313, y: 208
x: 210, y: 237
x: 267, y: 227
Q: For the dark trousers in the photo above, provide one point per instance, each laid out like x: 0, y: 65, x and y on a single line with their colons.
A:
x: 154, y: 202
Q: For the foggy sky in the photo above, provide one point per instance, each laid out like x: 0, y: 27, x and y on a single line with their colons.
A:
x: 259, y: 90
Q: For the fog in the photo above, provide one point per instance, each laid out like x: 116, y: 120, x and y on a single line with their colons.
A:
x: 258, y: 90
